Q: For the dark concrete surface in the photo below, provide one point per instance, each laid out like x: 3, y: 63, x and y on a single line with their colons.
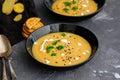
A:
x: 104, y: 66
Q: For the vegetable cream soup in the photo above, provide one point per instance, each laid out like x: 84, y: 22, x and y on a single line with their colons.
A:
x: 61, y: 49
x: 74, y: 7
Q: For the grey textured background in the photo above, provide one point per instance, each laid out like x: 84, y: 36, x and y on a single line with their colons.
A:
x: 104, y: 66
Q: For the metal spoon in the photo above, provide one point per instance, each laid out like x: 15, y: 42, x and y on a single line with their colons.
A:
x: 5, y: 51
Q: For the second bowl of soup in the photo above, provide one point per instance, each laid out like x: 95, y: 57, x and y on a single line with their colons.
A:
x: 75, y: 8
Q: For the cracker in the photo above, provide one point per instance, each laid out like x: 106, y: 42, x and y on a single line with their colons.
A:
x: 31, y: 22
x: 25, y: 35
x: 28, y: 30
x: 25, y: 31
x: 38, y: 25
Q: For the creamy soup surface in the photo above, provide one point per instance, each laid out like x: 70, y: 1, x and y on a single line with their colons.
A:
x: 74, y: 7
x: 61, y: 49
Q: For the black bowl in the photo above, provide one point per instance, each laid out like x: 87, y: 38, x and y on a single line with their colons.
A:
x: 49, y: 3
x: 63, y: 27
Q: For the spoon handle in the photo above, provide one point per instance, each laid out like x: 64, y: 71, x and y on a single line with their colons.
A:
x: 4, y: 70
x: 13, y: 74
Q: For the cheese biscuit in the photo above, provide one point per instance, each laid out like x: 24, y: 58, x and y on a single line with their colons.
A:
x: 25, y: 35
x: 28, y: 30
x: 31, y: 22
x: 25, y: 31
x: 38, y: 25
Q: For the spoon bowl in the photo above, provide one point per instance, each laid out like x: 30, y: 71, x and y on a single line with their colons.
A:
x: 5, y: 52
x: 5, y: 48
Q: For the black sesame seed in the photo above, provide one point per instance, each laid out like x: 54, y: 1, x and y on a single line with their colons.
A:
x: 65, y: 50
x: 79, y: 56
x: 56, y: 62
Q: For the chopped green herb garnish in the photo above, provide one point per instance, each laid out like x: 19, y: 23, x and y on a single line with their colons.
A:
x: 75, y: 8
x: 60, y: 47
x: 55, y: 42
x: 65, y: 9
x: 49, y: 48
x: 67, y: 3
x: 53, y: 54
x: 74, y: 1
x: 63, y: 34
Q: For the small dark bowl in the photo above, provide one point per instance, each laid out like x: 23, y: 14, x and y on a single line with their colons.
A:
x: 63, y: 27
x: 49, y: 3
